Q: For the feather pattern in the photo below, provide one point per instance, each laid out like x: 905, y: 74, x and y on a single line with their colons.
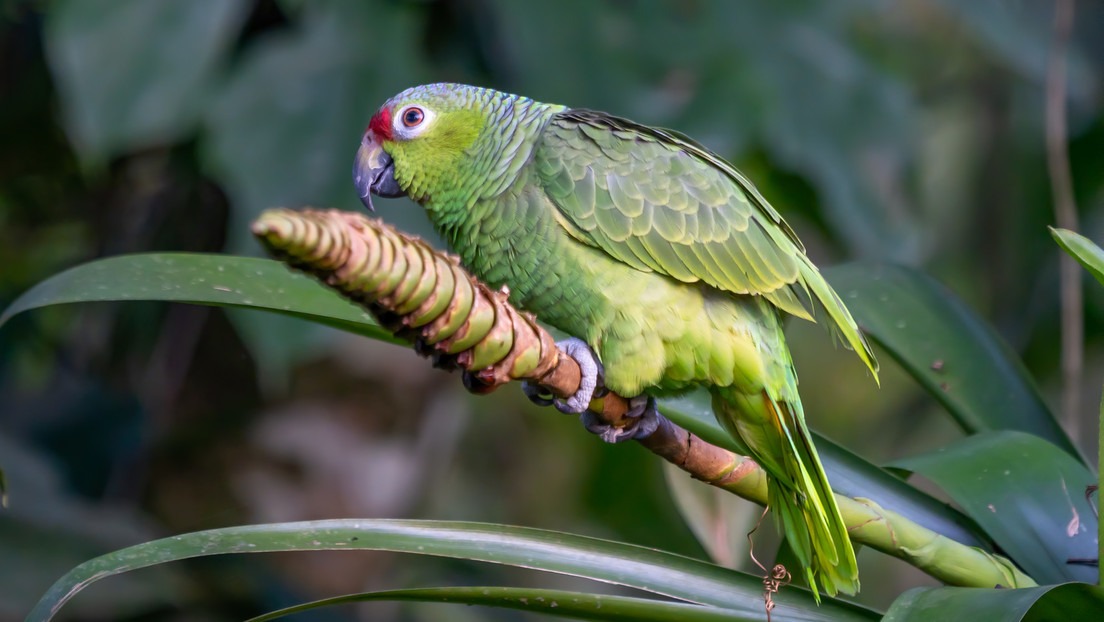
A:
x: 634, y: 191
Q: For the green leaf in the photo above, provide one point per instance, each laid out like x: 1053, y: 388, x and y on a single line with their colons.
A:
x: 122, y: 91
x: 1069, y: 601
x: 849, y: 473
x: 200, y: 279
x: 1081, y: 248
x: 578, y: 605
x: 955, y: 356
x: 1027, y: 494
x: 611, y: 562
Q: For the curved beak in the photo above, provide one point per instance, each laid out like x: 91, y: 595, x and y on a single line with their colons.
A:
x: 374, y: 172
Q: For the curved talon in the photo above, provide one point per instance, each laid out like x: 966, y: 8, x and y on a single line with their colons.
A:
x: 643, y: 412
x: 536, y: 394
x: 591, y: 378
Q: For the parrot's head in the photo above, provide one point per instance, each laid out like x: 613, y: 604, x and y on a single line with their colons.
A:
x: 419, y: 142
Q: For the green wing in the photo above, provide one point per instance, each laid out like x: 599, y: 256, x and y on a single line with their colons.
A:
x: 660, y: 202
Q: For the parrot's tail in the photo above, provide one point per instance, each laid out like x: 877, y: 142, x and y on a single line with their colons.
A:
x: 798, y: 493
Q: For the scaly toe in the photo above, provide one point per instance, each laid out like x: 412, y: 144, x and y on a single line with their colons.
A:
x: 645, y: 420
x: 591, y: 375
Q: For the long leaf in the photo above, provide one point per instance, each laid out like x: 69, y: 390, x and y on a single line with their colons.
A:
x: 937, y: 339
x: 1091, y: 257
x: 1027, y: 494
x: 577, y: 605
x: 200, y: 279
x: 611, y: 562
x: 1069, y: 601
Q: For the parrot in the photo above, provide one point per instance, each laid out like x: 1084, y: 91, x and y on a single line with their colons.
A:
x: 663, y: 262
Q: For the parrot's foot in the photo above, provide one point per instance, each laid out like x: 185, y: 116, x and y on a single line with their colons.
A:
x: 590, y: 376
x: 645, y: 420
x: 589, y: 383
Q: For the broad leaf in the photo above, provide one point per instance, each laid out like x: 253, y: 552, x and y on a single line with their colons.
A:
x: 1027, y: 494
x: 200, y: 279
x: 577, y: 605
x: 937, y: 339
x: 611, y: 562
x: 1069, y: 601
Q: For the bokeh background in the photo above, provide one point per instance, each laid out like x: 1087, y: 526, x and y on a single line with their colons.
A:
x: 906, y: 131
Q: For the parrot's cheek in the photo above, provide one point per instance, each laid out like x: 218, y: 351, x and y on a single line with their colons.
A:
x: 374, y: 173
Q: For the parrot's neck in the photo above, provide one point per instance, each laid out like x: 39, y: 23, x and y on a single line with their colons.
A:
x: 497, y: 157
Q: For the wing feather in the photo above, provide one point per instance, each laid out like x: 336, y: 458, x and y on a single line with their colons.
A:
x: 660, y: 202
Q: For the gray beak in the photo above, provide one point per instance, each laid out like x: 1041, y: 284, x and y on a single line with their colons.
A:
x: 374, y: 172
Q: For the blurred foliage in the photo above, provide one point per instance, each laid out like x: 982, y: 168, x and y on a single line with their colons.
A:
x: 907, y: 131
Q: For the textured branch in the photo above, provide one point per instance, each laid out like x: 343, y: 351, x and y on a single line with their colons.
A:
x: 424, y: 296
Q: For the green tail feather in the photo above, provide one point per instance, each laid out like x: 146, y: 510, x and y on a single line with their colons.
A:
x: 798, y: 492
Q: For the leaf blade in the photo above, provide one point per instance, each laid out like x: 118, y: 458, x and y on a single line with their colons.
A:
x: 1069, y: 601
x: 950, y: 352
x: 651, y: 570
x: 579, y: 605
x: 1081, y: 248
x: 204, y: 279
x: 1026, y: 493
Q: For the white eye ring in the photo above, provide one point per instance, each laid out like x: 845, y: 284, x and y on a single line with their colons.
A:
x: 412, y: 120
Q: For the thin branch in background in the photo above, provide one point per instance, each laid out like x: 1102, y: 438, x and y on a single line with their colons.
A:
x: 1065, y: 215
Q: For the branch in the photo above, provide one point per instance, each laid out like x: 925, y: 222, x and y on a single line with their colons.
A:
x: 424, y: 296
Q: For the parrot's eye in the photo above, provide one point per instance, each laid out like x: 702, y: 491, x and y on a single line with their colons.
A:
x: 413, y: 117
x: 411, y: 121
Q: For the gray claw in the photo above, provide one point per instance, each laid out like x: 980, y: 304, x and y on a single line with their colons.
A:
x: 591, y: 376
x: 642, y: 409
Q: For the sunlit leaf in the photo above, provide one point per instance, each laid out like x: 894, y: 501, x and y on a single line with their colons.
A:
x: 611, y: 562
x: 937, y: 339
x: 200, y: 279
x: 1027, y: 494
x: 1070, y: 601
x: 577, y: 605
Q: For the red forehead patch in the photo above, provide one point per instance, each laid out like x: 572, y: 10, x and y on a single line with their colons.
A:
x: 380, y: 125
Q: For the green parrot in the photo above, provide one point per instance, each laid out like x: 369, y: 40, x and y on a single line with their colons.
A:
x: 658, y: 256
